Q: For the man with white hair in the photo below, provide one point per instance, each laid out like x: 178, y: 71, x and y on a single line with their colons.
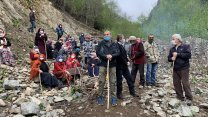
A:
x: 179, y: 55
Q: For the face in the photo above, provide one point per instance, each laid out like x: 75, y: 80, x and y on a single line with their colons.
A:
x: 175, y: 41
x: 151, y: 38
x: 108, y: 34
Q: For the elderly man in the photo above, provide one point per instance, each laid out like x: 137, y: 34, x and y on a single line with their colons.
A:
x: 137, y: 57
x: 107, y: 50
x: 152, y: 55
x: 180, y: 55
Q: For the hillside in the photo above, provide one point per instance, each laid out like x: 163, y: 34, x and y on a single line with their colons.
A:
x: 187, y: 17
x: 14, y: 19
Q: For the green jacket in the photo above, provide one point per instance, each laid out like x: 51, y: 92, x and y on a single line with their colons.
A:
x: 151, y: 52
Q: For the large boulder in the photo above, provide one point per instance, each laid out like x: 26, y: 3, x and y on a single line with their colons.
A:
x: 11, y: 84
x: 29, y: 108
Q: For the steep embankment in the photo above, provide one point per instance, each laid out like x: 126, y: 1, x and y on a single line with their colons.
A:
x: 14, y: 19
x: 187, y: 17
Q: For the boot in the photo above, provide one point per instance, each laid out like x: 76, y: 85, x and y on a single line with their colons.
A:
x: 114, y: 101
x: 100, y: 100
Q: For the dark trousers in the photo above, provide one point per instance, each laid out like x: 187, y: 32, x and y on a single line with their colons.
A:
x: 93, y: 71
x: 32, y: 27
x: 181, y: 82
x: 59, y: 36
x: 135, y: 68
x: 124, y: 72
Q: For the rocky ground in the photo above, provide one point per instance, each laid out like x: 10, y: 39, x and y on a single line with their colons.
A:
x: 19, y: 97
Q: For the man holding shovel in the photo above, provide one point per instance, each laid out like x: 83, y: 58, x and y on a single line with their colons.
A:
x: 107, y: 51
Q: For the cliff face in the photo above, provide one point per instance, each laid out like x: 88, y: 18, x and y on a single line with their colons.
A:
x: 14, y: 19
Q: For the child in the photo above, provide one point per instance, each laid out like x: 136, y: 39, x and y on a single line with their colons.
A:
x: 93, y: 69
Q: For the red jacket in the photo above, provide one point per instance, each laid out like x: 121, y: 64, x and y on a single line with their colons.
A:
x: 137, y: 53
x: 72, y: 63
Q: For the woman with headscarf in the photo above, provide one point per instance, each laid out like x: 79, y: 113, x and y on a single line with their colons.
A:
x: 50, y: 50
x: 40, y: 40
x: 6, y: 55
x: 47, y: 79
x: 72, y: 62
x: 60, y: 70
x: 34, y: 55
x: 35, y: 67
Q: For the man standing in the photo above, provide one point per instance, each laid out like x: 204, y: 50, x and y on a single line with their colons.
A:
x: 137, y: 57
x: 107, y: 51
x: 180, y: 55
x: 122, y: 69
x: 32, y: 20
x: 87, y: 46
x: 152, y: 55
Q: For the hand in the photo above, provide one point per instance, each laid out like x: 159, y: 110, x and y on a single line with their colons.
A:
x: 174, y: 54
x: 40, y: 71
x: 93, y: 65
x: 109, y: 57
x: 128, y: 63
x: 173, y: 58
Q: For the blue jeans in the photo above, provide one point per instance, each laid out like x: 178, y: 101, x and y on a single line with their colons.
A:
x: 33, y: 25
x: 151, y: 73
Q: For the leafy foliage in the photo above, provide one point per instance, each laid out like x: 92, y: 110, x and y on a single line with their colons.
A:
x: 187, y: 17
x: 99, y: 14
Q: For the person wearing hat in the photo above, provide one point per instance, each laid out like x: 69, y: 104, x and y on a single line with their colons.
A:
x: 152, y: 54
x: 137, y: 58
x: 179, y: 55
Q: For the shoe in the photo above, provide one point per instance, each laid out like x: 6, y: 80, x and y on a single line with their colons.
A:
x: 114, y: 101
x: 189, y: 102
x: 120, y: 96
x: 100, y: 100
x: 148, y: 84
x: 134, y: 95
x: 141, y: 87
x: 155, y: 85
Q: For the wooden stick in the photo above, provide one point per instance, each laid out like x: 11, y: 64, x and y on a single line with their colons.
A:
x: 107, y: 77
x: 40, y: 84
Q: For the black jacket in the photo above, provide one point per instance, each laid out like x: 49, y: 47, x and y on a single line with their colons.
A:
x: 103, y: 49
x: 122, y: 59
x: 32, y: 16
x: 49, y: 51
x: 183, y: 56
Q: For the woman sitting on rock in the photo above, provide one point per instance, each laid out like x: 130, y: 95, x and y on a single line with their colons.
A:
x: 60, y: 70
x: 6, y: 56
x: 47, y: 79
x: 35, y: 67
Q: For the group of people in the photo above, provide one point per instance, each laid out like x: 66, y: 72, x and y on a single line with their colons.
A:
x: 121, y: 54
x: 98, y: 57
x: 67, y: 55
x: 136, y: 53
